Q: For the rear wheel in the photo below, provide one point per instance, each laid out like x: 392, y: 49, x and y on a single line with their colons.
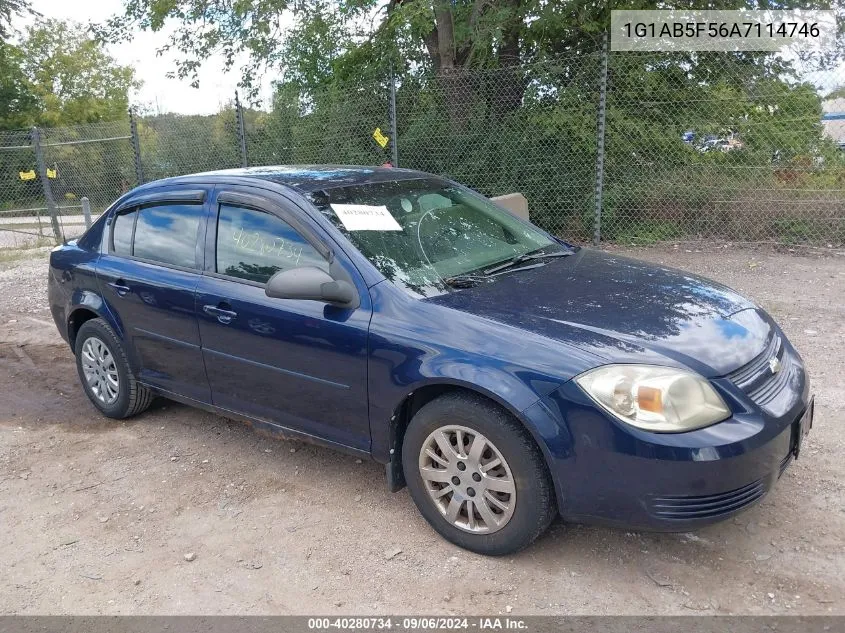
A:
x: 105, y: 373
x: 477, y: 475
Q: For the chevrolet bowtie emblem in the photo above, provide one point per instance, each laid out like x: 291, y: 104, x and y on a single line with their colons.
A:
x: 774, y: 365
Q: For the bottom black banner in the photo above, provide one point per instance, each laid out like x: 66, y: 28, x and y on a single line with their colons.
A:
x: 403, y: 623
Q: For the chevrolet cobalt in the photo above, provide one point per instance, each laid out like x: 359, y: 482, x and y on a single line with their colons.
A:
x: 505, y: 376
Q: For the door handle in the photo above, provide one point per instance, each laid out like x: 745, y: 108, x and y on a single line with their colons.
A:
x: 224, y: 316
x: 120, y: 287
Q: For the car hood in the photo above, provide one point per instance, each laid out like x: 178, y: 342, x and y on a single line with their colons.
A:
x: 624, y: 310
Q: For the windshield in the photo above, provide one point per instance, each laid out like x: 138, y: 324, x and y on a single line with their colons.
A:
x: 420, y: 232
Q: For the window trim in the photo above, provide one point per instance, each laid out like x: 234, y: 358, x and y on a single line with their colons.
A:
x: 263, y: 204
x: 155, y: 198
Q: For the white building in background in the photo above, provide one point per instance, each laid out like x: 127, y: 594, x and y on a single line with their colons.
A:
x: 833, y: 120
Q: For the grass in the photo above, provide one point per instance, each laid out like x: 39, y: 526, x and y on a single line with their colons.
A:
x: 26, y: 226
x: 791, y: 231
x: 646, y: 232
x: 28, y: 251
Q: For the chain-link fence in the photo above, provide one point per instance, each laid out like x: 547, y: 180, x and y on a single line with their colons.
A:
x: 625, y: 147
x: 720, y: 148
x: 52, y: 178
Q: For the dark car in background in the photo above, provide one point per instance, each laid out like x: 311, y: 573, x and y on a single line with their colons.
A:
x: 506, y: 376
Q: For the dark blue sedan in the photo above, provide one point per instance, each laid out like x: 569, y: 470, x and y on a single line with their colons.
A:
x: 505, y: 376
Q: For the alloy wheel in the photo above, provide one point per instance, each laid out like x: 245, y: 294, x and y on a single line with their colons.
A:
x: 100, y: 370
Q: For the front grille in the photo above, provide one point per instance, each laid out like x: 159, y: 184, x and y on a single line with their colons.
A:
x: 756, y: 379
x: 747, y: 376
x: 707, y: 506
x: 770, y: 388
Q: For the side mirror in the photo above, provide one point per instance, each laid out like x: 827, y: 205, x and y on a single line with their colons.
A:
x: 312, y: 284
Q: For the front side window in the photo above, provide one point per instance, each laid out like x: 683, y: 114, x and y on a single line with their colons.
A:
x: 421, y: 232
x: 255, y: 245
x: 167, y: 234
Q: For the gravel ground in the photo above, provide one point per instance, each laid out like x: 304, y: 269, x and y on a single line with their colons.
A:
x: 180, y: 511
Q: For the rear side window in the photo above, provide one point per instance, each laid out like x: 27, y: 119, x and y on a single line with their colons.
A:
x: 92, y: 239
x: 167, y: 234
x: 122, y: 235
x: 255, y: 245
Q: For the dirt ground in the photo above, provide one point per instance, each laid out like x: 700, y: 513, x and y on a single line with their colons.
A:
x: 98, y: 516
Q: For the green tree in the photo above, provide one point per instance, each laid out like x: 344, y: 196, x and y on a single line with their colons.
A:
x: 18, y: 103
x: 10, y: 9
x: 16, y: 100
x: 311, y: 41
x: 502, y: 95
x: 72, y: 77
x: 60, y: 76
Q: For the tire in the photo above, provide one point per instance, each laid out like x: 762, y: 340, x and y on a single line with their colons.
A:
x: 131, y: 398
x: 528, y: 512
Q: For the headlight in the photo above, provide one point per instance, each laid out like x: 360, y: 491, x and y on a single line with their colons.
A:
x: 660, y: 399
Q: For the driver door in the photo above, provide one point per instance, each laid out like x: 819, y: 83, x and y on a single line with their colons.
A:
x: 295, y: 363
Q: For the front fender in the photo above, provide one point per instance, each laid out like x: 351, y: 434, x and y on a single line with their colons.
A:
x: 397, y: 371
x: 415, y: 344
x: 552, y: 438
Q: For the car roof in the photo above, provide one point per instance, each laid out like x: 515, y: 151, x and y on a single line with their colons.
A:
x: 302, y: 178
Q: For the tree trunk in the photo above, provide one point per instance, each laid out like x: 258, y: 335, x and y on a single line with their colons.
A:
x: 461, y: 91
x: 455, y: 85
x: 509, y: 84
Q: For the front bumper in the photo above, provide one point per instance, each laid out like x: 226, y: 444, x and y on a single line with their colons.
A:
x: 608, y: 472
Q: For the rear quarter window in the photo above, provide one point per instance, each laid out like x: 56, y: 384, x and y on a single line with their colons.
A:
x: 122, y: 233
x: 92, y: 239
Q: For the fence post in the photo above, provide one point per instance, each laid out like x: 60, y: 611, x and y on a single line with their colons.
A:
x: 239, y: 119
x: 86, y: 211
x: 599, y: 189
x: 52, y: 207
x: 394, y: 146
x: 136, y: 147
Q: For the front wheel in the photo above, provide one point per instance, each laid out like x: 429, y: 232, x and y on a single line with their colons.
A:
x: 476, y: 475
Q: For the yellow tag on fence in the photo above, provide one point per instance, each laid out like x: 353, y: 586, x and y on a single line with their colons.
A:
x: 27, y: 175
x: 51, y: 173
x: 380, y: 138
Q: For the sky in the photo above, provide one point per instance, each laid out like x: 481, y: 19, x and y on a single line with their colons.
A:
x: 157, y: 93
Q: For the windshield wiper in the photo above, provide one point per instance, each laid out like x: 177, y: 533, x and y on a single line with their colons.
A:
x: 468, y: 280
x: 519, y: 259
x: 464, y: 281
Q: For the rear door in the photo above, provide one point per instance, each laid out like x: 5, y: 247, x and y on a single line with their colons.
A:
x: 298, y: 364
x: 148, y: 277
